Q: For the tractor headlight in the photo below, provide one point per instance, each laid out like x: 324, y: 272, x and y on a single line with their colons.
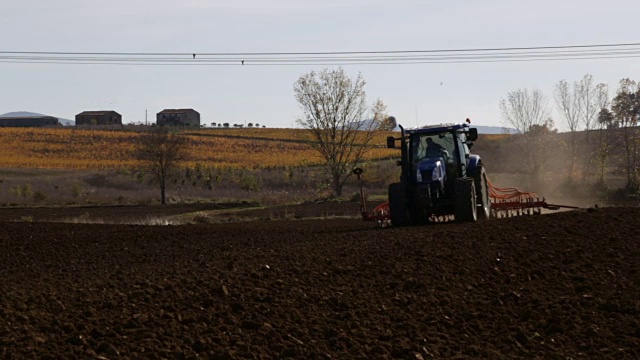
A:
x: 435, y: 175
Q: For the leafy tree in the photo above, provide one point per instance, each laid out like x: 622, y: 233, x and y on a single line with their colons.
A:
x: 334, y: 108
x: 604, y: 122
x: 388, y: 123
x: 381, y: 117
x: 161, y: 152
x: 626, y: 109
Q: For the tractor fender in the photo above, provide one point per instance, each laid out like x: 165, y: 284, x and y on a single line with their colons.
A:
x: 474, y: 161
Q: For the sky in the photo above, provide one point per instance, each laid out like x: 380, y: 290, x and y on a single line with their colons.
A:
x: 415, y: 94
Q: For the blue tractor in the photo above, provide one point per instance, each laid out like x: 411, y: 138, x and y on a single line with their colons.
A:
x: 440, y: 177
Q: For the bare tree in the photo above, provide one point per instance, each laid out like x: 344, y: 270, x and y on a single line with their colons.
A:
x: 626, y: 108
x: 161, y: 152
x: 525, y: 110
x: 334, y: 108
x: 588, y: 98
x: 568, y: 102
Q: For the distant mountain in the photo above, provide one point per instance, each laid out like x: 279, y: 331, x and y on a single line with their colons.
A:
x: 494, y: 129
x: 484, y: 129
x: 65, y: 122
x: 21, y: 114
x: 366, y: 124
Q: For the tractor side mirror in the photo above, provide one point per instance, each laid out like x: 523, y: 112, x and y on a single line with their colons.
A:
x: 391, y: 142
x: 473, y: 134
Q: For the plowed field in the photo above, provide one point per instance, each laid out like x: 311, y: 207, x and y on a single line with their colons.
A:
x: 556, y: 286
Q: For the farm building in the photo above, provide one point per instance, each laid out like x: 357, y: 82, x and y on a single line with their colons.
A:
x: 106, y: 117
x: 29, y: 121
x: 178, y: 117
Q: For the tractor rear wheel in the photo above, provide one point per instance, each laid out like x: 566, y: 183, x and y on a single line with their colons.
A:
x: 398, y: 205
x: 465, y: 200
x: 482, y: 192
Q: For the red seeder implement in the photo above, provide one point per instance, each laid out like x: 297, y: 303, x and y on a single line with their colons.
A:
x: 505, y: 202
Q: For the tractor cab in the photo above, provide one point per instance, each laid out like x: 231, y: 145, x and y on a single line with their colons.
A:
x: 435, y: 154
x: 433, y: 158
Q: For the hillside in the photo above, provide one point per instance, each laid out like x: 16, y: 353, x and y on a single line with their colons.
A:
x: 70, y: 148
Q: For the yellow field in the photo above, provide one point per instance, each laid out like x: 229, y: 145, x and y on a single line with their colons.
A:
x: 68, y: 148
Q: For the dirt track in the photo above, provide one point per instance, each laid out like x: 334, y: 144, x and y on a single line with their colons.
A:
x: 553, y: 286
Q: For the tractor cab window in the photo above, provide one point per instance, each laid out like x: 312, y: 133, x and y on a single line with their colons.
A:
x: 434, y: 146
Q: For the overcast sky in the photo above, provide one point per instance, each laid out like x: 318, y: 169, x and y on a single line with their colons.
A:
x: 415, y: 94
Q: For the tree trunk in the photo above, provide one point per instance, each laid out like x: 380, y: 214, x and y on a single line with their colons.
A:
x: 628, y: 156
x: 163, y: 199
x: 634, y: 164
x: 337, y: 186
x: 338, y: 190
x: 573, y: 154
x: 602, y: 155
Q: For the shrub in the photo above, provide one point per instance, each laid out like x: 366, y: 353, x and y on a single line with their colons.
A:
x: 39, y: 196
x: 26, y: 191
x: 200, y: 218
x: 140, y: 177
x: 356, y: 197
x: 17, y: 190
x: 76, y: 190
x: 250, y: 183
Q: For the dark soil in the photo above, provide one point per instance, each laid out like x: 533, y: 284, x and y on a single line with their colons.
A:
x: 218, y: 212
x: 112, y: 213
x: 557, y: 286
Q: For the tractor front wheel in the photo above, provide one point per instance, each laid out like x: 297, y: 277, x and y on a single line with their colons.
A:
x: 465, y: 200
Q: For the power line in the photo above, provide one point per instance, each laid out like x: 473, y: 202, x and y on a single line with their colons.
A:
x: 408, y: 62
x: 411, y: 56
x: 498, y: 55
x: 323, y: 53
x: 391, y: 57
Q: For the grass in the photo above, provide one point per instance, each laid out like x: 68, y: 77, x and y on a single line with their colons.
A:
x: 150, y: 221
